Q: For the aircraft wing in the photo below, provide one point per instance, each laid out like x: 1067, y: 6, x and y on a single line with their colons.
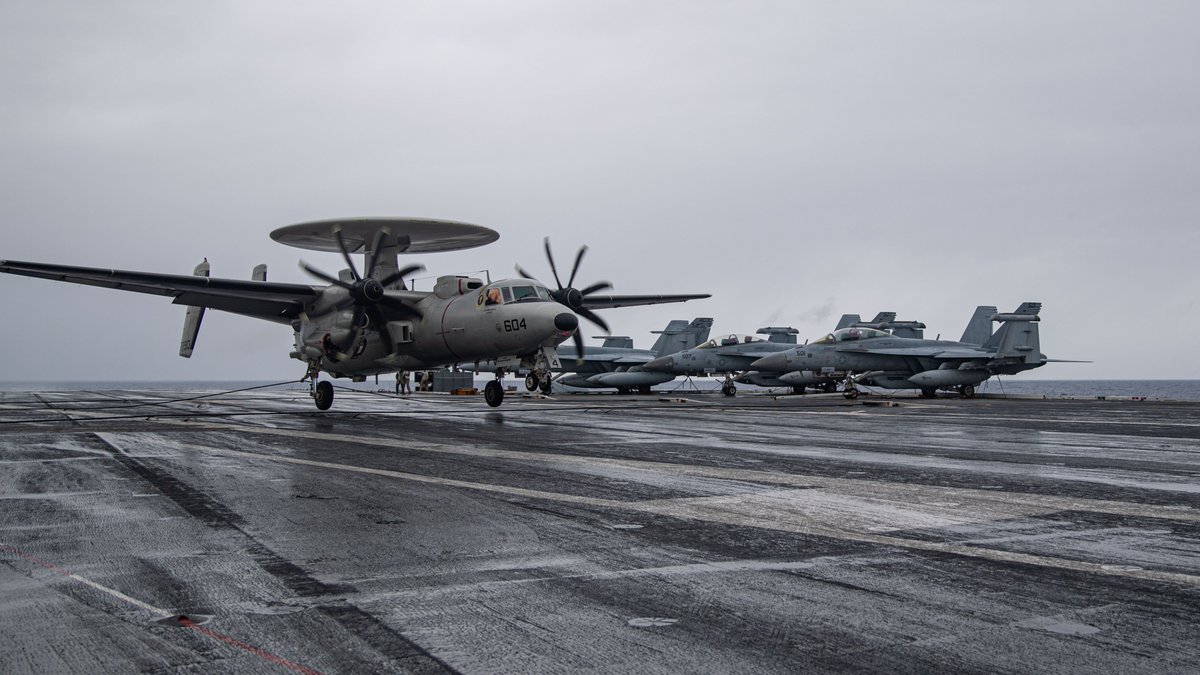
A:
x: 927, y: 352
x: 609, y: 301
x: 260, y: 299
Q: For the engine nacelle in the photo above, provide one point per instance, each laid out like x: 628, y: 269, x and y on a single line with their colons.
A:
x: 948, y: 377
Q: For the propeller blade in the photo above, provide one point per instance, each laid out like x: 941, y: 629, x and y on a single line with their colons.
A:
x: 578, y: 258
x: 578, y: 346
x: 400, y: 274
x: 550, y: 257
x: 337, y: 232
x: 373, y: 255
x: 312, y: 271
x: 523, y: 273
x: 380, y: 322
x: 594, y: 318
x: 401, y: 308
x: 355, y: 325
x: 598, y: 286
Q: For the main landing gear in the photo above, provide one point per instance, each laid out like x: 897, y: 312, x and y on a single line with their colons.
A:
x: 535, y: 381
x: 493, y: 391
x: 967, y: 391
x: 321, y: 392
x: 727, y: 387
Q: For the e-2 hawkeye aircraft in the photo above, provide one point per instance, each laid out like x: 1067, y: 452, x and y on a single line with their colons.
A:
x: 371, y: 323
x: 877, y: 358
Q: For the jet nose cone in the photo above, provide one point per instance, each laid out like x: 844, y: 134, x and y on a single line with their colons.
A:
x: 774, y: 363
x: 566, y: 322
x: 661, y: 363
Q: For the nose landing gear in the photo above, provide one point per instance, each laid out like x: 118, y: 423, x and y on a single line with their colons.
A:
x: 493, y: 391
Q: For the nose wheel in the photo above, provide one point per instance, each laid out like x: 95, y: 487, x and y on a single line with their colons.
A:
x: 493, y: 392
x: 322, y: 394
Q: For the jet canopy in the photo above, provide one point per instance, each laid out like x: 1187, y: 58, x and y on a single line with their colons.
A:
x: 515, y: 290
x: 850, y: 335
x: 730, y: 340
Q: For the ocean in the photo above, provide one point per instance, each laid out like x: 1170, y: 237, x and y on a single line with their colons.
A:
x: 1163, y: 390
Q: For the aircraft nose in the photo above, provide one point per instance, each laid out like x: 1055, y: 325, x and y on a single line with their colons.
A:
x: 774, y: 363
x: 566, y: 322
x: 661, y: 363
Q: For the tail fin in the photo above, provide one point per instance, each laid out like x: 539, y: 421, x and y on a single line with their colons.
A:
x: 847, y: 320
x: 979, y: 328
x: 1018, y: 337
x: 191, y: 320
x: 884, y: 317
x: 679, y: 335
x: 781, y: 334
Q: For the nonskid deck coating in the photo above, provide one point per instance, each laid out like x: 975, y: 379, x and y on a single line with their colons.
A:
x: 619, y: 534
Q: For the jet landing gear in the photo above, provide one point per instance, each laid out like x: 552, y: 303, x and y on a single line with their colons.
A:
x: 493, y: 391
x: 728, y: 388
x: 967, y: 391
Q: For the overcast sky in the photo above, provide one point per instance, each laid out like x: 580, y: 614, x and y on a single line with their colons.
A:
x: 795, y: 159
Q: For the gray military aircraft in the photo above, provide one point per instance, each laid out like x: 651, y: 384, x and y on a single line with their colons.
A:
x: 725, y: 355
x: 882, y: 321
x: 371, y: 323
x: 877, y: 358
x: 616, y: 364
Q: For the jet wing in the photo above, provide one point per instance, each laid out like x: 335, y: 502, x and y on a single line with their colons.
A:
x: 932, y: 352
x: 609, y: 301
x: 260, y: 299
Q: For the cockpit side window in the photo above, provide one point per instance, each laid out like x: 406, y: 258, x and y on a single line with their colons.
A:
x: 543, y: 293
x: 524, y: 293
x: 507, y: 294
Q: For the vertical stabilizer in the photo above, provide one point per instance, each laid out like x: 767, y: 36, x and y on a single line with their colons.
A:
x: 979, y: 328
x: 619, y: 341
x: 847, y: 320
x: 679, y: 335
x: 191, y: 320
x: 884, y: 317
x: 781, y: 334
x: 1018, y: 336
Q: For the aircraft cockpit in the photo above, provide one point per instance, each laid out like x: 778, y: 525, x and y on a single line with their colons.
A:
x: 508, y: 292
x: 730, y: 340
x: 850, y: 335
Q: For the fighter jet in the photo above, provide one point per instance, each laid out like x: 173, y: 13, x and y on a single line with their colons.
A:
x: 876, y: 358
x: 725, y: 355
x: 615, y: 364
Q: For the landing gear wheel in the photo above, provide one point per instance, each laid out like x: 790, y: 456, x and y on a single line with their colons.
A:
x: 644, y: 389
x: 928, y: 392
x: 850, y: 394
x: 531, y: 382
x: 728, y: 390
x: 493, y: 393
x: 798, y: 390
x: 323, y: 395
x: 967, y: 391
x: 830, y: 387
x: 545, y: 385
x: 623, y: 391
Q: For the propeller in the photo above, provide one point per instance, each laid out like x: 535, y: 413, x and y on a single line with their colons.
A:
x: 570, y: 296
x: 367, y: 293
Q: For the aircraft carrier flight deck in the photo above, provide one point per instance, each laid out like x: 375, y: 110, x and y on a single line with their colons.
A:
x: 169, y: 531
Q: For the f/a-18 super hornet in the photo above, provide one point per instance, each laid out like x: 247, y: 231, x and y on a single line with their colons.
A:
x: 725, y: 355
x: 882, y: 321
x: 877, y: 358
x: 371, y: 323
x: 615, y: 363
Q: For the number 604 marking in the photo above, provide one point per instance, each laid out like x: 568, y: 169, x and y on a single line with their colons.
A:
x: 514, y: 324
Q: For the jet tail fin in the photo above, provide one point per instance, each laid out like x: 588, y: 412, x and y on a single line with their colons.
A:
x: 780, y: 334
x: 191, y: 320
x: 847, y: 320
x: 979, y: 328
x: 680, y: 335
x: 621, y: 341
x: 1018, y: 336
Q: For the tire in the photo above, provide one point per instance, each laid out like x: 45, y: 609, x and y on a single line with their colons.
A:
x: 729, y: 390
x: 546, y: 386
x: 493, y: 393
x: 323, y: 395
x: 850, y: 394
x: 967, y: 391
x: 531, y: 382
x: 830, y: 387
x: 928, y: 392
x: 798, y: 390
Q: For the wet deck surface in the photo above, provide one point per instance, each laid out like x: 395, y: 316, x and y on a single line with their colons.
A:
x: 617, y: 534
